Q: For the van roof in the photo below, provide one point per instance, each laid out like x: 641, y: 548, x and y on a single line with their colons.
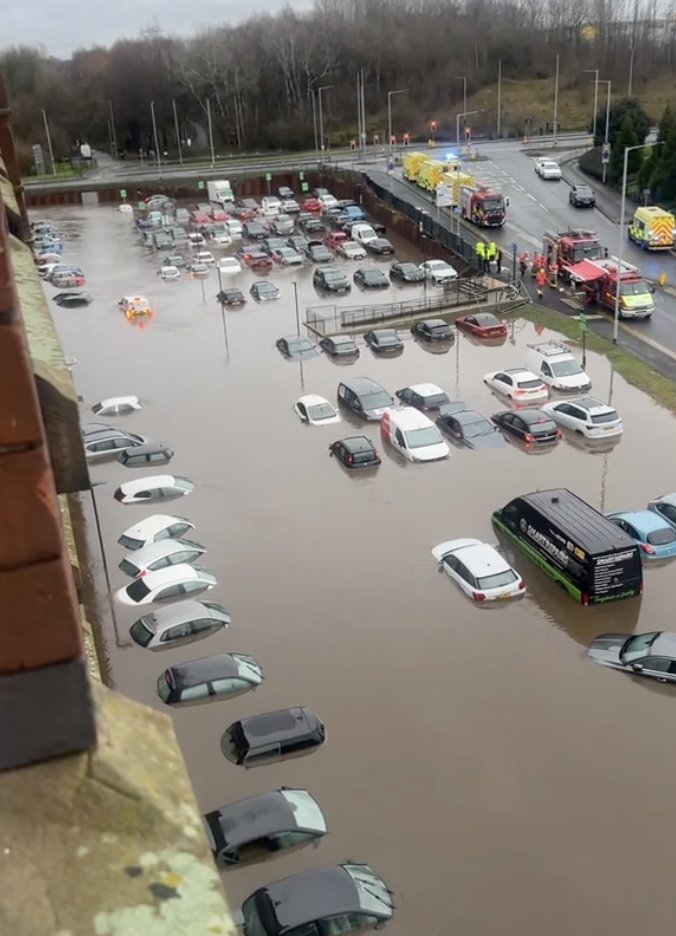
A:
x: 588, y: 528
x: 653, y: 211
x: 408, y: 418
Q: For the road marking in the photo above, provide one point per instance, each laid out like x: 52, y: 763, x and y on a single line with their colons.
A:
x: 518, y: 188
x: 544, y: 208
x: 531, y: 196
x: 641, y: 337
x: 510, y: 179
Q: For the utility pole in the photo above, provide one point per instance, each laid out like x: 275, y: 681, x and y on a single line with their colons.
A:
x: 211, y: 133
x: 321, y: 117
x: 390, y: 95
x: 595, y: 73
x: 499, y: 127
x: 363, y: 107
x: 113, y: 133
x: 314, y: 118
x: 555, y: 126
x: 178, y: 133
x: 157, y: 142
x: 49, y: 140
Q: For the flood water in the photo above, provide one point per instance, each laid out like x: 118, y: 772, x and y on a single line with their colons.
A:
x: 475, y: 758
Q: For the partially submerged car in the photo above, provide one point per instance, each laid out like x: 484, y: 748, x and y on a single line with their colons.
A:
x: 272, y: 735
x: 116, y: 406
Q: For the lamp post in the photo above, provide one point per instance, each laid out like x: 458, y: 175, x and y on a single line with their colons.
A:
x: 623, y: 205
x: 295, y: 296
x: 595, y: 73
x: 464, y: 94
x: 157, y: 142
x: 321, y: 115
x: 113, y: 134
x: 390, y: 95
x: 314, y: 118
x: 49, y: 140
x: 458, y: 118
x: 211, y: 133
x: 222, y: 305
x: 555, y: 122
x: 178, y: 133
x: 605, y: 137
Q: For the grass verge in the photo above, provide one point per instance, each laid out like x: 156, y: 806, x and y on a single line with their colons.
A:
x: 635, y: 372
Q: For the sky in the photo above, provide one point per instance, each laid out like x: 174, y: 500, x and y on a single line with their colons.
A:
x: 61, y: 27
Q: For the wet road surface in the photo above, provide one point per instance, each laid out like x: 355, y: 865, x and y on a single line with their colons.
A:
x: 474, y: 758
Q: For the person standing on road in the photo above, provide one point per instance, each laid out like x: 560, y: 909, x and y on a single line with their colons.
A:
x: 541, y: 282
x: 523, y: 263
x: 498, y: 259
x: 492, y: 252
x: 481, y: 256
x: 554, y: 275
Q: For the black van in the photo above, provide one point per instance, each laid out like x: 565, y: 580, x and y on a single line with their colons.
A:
x: 574, y: 544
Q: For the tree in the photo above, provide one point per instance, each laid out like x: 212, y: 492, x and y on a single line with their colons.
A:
x: 626, y: 137
x: 657, y: 172
x: 618, y: 111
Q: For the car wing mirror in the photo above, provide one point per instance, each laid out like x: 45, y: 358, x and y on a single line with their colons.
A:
x: 316, y: 843
x: 637, y: 667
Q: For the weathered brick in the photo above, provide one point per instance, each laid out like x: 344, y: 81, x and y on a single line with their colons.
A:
x: 30, y: 531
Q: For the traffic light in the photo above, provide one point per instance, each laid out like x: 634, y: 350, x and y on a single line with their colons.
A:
x: 468, y: 133
x: 393, y: 139
x: 353, y: 144
x: 433, y: 126
x: 376, y: 139
x: 406, y: 139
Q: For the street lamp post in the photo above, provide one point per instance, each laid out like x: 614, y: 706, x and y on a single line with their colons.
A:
x: 555, y: 122
x: 177, y: 128
x: 211, y: 133
x: 458, y: 118
x: 295, y: 296
x: 623, y: 205
x: 595, y: 73
x: 113, y: 133
x: 157, y: 142
x: 321, y: 115
x: 49, y: 140
x: 464, y: 94
x: 314, y: 118
x: 605, y: 137
x: 390, y: 95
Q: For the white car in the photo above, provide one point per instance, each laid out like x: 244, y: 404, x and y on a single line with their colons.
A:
x: 196, y: 240
x: 363, y: 233
x: 116, y: 406
x: 316, y: 410
x: 221, y: 239
x: 587, y: 416
x: 205, y: 257
x: 351, y: 250
x: 175, y: 581
x: 290, y: 206
x: 153, y: 488
x: 518, y: 384
x: 328, y: 201
x: 479, y: 569
x: 548, y: 169
x: 414, y: 435
x: 154, y: 529
x: 180, y: 623
x: 271, y: 206
x: 160, y: 555
x: 170, y: 274
x: 234, y: 228
x: 228, y: 266
x: 438, y: 271
x: 287, y: 256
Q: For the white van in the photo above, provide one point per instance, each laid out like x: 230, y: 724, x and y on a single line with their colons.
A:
x: 554, y: 364
x: 363, y: 234
x: 413, y: 434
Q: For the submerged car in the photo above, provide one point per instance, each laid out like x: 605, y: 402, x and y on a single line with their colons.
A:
x: 269, y: 822
x: 519, y: 384
x: 469, y: 427
x: 198, y: 270
x: 665, y: 506
x: 587, y: 416
x: 272, y: 735
x: 133, y: 306
x: 655, y: 536
x: 433, y: 330
x: 479, y: 569
x: 296, y: 347
x: 316, y: 410
x: 228, y: 266
x: 169, y: 274
x: 371, y: 278
x: 652, y: 655
x: 424, y: 397
x: 116, y: 406
x: 160, y: 555
x: 318, y: 252
x: 340, y: 346
x: 231, y: 297
x: 153, y: 488
x: 384, y: 341
x: 154, y: 529
x: 365, y: 397
x: 109, y: 444
x: 380, y: 246
x: 355, y: 452
x: 264, y: 291
x: 482, y: 325
x: 351, y: 250
x: 170, y: 583
x: 73, y: 300
x: 209, y: 679
x: 287, y: 256
x: 331, y: 279
x: 439, y: 272
x: 406, y: 273
x: 413, y: 435
x: 529, y: 426
x: 179, y: 624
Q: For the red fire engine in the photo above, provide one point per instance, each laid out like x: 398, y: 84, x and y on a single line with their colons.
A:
x: 482, y: 205
x: 598, y: 280
x: 570, y: 247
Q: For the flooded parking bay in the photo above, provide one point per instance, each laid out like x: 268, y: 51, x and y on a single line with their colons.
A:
x: 474, y: 757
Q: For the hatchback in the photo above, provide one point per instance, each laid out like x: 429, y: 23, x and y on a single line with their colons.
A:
x: 168, y: 584
x: 209, y: 679
x: 154, y: 529
x: 160, y: 555
x: 264, y: 291
x: 529, y: 426
x: 425, y: 397
x: 371, y: 278
x: 479, y: 569
x: 272, y: 735
x: 364, y: 397
x: 153, y: 488
x: 142, y: 456
x: 331, y: 279
x: 656, y: 537
x: 179, y: 624
x: 316, y: 411
x: 116, y: 406
x: 384, y: 341
x: 433, y: 330
x: 231, y: 297
x: 340, y: 346
x: 355, y: 452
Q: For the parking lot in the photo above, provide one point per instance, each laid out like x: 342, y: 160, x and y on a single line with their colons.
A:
x: 474, y: 756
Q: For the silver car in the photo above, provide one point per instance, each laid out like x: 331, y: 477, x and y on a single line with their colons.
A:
x: 101, y: 445
x: 652, y: 655
x: 179, y: 624
x: 160, y: 555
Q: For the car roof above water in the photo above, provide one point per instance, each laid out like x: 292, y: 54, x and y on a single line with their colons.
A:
x: 591, y: 530
x: 182, y: 611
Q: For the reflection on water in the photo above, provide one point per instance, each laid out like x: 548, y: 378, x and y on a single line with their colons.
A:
x: 481, y: 750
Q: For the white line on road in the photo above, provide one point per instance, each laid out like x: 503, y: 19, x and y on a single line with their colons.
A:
x: 544, y: 208
x: 532, y: 197
x: 510, y: 179
x: 518, y: 188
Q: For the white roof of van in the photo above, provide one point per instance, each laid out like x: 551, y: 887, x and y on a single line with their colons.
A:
x: 407, y: 418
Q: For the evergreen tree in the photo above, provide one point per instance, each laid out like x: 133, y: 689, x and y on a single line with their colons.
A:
x: 618, y: 111
x: 663, y: 178
x: 655, y: 170
x: 626, y: 137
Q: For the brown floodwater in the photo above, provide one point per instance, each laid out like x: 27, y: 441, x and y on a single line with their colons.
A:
x: 477, y: 760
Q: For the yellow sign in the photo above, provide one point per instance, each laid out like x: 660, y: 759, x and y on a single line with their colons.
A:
x: 588, y: 32
x: 663, y: 279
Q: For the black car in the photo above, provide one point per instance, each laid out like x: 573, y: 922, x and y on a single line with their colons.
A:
x: 231, y: 297
x: 311, y: 224
x: 298, y: 242
x: 285, y: 193
x: 340, y: 346
x: 381, y: 247
x: 254, y: 230
x: 331, y: 279
x: 528, y: 425
x: 355, y: 452
x: 469, y: 427
x: 271, y: 735
x: 318, y: 252
x: 269, y: 822
x: 384, y: 341
x: 582, y: 196
x: 364, y: 397
x: 433, y: 330
x: 296, y: 347
x: 424, y: 397
x: 371, y: 278
x: 264, y: 291
x: 380, y: 229
x: 209, y: 679
x: 71, y: 300
x: 177, y: 260
x: 407, y: 273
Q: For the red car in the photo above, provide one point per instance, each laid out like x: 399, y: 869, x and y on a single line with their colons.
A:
x: 333, y: 241
x: 482, y: 325
x: 311, y: 204
x: 219, y: 215
x: 199, y: 219
x: 254, y: 258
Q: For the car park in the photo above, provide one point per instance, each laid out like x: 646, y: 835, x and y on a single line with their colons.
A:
x: 231, y: 297
x: 479, y: 570
x: 652, y: 655
x: 154, y: 529
x: 73, y: 300
x: 351, y: 250
x: 439, y: 272
x: 171, y: 583
x: 582, y: 196
x: 532, y: 426
x: 283, y: 225
x: 317, y: 252
x: 116, y: 406
x: 269, y: 822
x: 519, y: 384
x: 296, y: 347
x: 316, y: 410
x: 365, y: 397
x: 468, y: 427
x: 254, y: 258
x: 587, y: 416
x: 548, y: 170
x: 170, y: 274
x: 255, y: 230
x: 209, y: 679
x: 198, y: 270
x: 340, y: 346
x: 264, y: 291
x: 405, y: 272
x: 153, y: 488
x: 260, y: 738
x: 424, y: 397
x: 655, y: 537
x: 355, y: 452
x: 371, y: 278
x: 145, y: 456
x: 287, y: 256
x: 413, y: 435
x: 482, y: 325
x: 103, y: 445
x: 160, y: 555
x: 331, y: 279
x: 179, y: 624
x: 433, y: 330
x: 336, y: 901
x: 558, y: 368
x: 228, y: 266
x: 384, y: 341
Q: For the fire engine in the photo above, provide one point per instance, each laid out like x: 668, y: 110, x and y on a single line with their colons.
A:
x: 570, y: 247
x: 482, y: 205
x: 599, y: 279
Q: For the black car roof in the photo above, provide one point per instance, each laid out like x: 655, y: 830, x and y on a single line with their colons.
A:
x: 194, y: 672
x: 309, y: 896
x: 590, y: 529
x: 435, y: 323
x: 362, y: 385
x: 252, y: 818
x: 532, y: 416
x: 356, y: 444
x: 263, y: 729
x: 469, y: 416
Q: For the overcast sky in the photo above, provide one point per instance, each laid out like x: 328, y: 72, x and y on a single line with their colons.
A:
x: 63, y: 26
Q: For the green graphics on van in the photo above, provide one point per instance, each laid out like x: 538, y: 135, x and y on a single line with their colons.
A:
x: 574, y: 544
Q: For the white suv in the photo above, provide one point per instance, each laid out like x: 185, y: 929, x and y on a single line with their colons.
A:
x: 556, y: 367
x: 548, y: 169
x: 586, y: 415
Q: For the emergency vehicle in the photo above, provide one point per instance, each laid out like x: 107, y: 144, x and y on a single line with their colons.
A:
x: 599, y: 281
x: 411, y: 163
x: 482, y: 205
x: 653, y: 228
x: 429, y: 174
x: 135, y: 305
x: 567, y: 248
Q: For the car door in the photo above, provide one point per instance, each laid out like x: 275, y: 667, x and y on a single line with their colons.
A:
x: 546, y: 373
x: 399, y: 442
x: 171, y: 591
x: 512, y: 424
x: 660, y: 668
x: 577, y: 418
x: 302, y: 411
x: 453, y: 427
x: 563, y: 413
x: 503, y: 383
x: 406, y: 396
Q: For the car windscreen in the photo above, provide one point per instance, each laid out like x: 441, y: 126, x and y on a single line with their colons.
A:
x: 302, y: 344
x: 493, y: 204
x: 497, y: 580
x: 321, y: 411
x: 662, y: 537
x: 333, y: 276
x: 259, y: 915
x: 419, y: 438
x: 376, y: 400
x: 130, y: 542
x: 129, y: 568
x: 138, y: 590
x: 588, y: 252
x: 634, y: 289
x: 637, y: 647
x: 481, y: 427
x: 566, y: 368
x: 140, y: 633
x: 600, y: 418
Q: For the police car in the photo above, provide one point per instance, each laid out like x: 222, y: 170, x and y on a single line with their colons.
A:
x: 135, y: 305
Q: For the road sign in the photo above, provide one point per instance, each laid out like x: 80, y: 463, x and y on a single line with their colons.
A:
x: 123, y: 193
x: 200, y: 185
x: 444, y: 196
x: 605, y: 153
x: 39, y: 159
x: 583, y: 321
x: 305, y: 186
x: 268, y: 177
x: 301, y: 176
x: 141, y: 206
